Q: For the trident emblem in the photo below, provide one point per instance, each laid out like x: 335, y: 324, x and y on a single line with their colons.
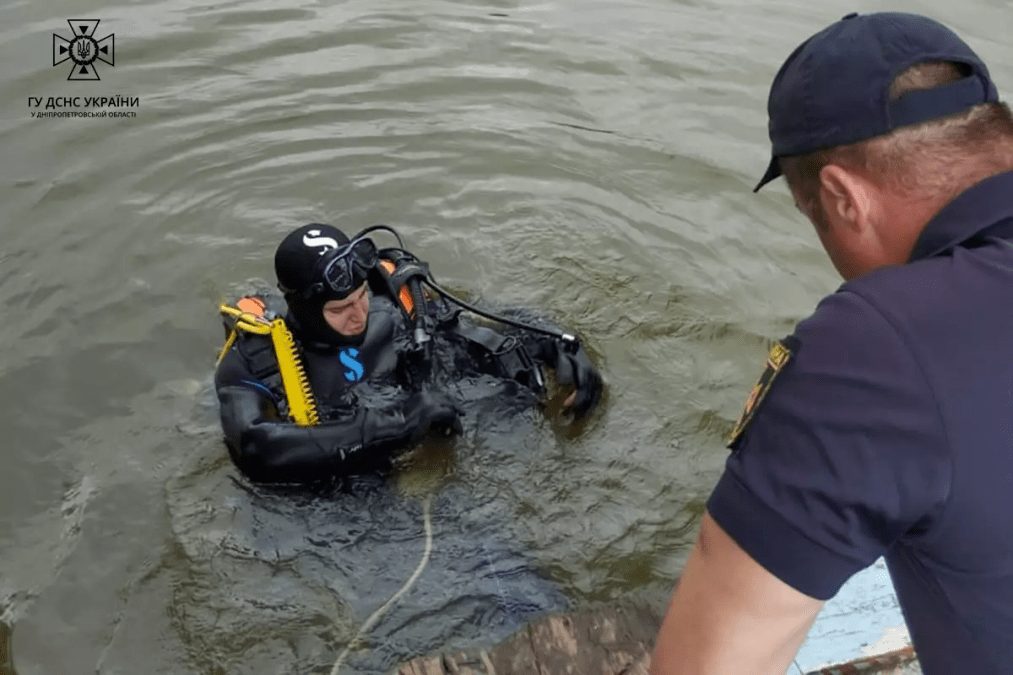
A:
x: 83, y: 52
x: 83, y: 49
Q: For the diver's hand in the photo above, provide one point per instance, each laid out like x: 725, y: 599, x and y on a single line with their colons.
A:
x: 576, y: 369
x: 426, y: 411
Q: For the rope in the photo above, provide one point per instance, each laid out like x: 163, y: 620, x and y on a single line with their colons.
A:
x: 371, y: 621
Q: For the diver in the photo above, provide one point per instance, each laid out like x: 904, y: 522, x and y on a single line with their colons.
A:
x: 288, y: 378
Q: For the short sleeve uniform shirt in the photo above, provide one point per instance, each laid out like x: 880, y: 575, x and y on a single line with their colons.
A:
x: 888, y: 432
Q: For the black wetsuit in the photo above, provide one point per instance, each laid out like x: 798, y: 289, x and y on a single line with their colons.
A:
x: 356, y: 435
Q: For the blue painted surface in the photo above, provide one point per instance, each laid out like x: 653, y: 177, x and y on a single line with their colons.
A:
x: 863, y: 619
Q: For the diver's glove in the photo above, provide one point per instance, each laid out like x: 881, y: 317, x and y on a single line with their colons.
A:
x: 426, y: 411
x: 576, y: 368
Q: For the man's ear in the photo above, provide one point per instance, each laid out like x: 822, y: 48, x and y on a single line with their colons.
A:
x: 847, y: 198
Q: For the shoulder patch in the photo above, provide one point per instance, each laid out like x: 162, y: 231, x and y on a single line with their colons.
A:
x: 778, y: 357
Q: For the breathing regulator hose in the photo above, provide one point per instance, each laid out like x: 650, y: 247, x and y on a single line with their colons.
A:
x: 570, y: 341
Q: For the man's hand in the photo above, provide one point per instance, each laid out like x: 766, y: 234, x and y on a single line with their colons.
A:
x: 426, y: 411
x: 578, y: 370
x: 729, y: 615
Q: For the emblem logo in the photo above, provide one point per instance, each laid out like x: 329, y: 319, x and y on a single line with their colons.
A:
x: 312, y: 239
x: 780, y: 353
x: 347, y: 356
x: 83, y: 50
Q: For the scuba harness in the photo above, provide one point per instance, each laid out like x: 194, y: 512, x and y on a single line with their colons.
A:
x: 279, y: 358
x: 277, y: 361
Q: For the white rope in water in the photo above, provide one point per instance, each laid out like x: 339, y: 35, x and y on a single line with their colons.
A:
x: 371, y: 621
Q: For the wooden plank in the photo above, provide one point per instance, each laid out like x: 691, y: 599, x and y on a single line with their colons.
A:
x: 860, y: 630
x: 861, y: 622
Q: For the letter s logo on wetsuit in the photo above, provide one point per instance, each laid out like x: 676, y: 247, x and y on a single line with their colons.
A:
x: 312, y: 239
x: 347, y: 357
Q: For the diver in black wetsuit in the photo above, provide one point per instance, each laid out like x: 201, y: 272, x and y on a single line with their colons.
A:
x: 358, y: 315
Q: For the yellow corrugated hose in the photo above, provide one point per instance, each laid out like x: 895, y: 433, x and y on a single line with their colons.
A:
x: 302, y: 405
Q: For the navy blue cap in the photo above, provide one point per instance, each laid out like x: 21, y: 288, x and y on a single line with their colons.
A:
x: 834, y: 89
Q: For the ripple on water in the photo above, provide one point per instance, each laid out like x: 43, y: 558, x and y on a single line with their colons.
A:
x: 590, y: 158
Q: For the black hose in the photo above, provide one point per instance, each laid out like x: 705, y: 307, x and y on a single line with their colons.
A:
x: 386, y: 228
x: 570, y: 341
x: 422, y: 327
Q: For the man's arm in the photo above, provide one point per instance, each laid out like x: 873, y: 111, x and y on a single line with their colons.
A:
x: 273, y: 451
x: 572, y: 367
x: 268, y: 449
x: 729, y: 615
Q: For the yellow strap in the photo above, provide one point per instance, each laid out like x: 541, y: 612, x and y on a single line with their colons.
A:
x: 251, y: 323
x: 248, y: 321
x: 228, y: 345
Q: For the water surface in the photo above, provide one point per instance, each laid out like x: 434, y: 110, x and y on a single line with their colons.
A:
x: 593, y: 159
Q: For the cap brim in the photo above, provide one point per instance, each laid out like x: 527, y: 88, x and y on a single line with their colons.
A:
x: 773, y: 171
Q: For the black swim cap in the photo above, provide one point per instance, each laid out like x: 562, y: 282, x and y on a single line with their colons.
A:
x: 295, y: 261
x: 295, y: 264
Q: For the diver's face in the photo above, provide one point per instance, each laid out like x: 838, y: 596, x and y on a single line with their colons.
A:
x: 348, y: 316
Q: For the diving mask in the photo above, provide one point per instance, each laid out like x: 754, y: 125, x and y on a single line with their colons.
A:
x: 345, y: 268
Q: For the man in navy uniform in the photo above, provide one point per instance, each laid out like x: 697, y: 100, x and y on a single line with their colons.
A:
x: 883, y: 426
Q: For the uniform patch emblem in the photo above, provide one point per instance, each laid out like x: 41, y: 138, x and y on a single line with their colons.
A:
x: 779, y: 355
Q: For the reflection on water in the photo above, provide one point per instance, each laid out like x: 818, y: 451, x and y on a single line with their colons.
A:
x: 591, y: 159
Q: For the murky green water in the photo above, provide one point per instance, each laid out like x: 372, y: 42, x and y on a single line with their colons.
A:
x: 590, y: 158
